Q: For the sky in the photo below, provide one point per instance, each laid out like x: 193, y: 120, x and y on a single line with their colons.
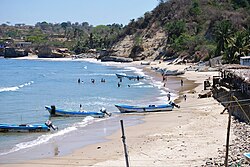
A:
x: 95, y: 12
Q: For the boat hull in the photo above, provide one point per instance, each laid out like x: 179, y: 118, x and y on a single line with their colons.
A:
x: 65, y: 113
x: 247, y: 155
x: 150, y: 108
x: 24, y: 128
x: 129, y: 76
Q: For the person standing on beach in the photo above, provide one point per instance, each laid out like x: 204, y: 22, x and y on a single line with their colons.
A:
x: 118, y: 84
x: 164, y: 78
x: 181, y: 82
x: 185, y: 97
x: 168, y: 95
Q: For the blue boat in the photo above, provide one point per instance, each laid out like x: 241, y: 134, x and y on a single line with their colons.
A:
x: 150, y: 108
x: 25, y: 127
x: 66, y: 113
x: 130, y: 77
x: 247, y: 155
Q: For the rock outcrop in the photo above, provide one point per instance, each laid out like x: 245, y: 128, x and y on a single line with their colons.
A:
x: 151, y: 44
x: 13, y: 53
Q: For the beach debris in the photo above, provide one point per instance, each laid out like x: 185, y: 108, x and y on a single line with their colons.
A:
x: 205, y: 94
x: 237, y: 148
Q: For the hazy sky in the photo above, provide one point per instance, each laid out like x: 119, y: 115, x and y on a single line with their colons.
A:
x: 95, y: 12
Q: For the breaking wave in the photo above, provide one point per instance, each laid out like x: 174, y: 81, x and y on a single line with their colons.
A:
x: 15, y: 88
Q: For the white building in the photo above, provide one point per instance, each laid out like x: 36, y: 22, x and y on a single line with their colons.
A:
x: 245, y: 61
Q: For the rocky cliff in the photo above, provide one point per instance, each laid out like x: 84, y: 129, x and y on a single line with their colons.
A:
x: 158, y: 35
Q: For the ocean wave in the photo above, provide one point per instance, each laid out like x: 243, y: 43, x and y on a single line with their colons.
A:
x: 47, y: 137
x: 15, y: 88
x: 137, y: 84
x: 97, y: 74
x: 136, y: 70
x: 145, y: 86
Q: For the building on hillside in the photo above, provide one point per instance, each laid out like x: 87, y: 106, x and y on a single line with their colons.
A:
x: 245, y: 61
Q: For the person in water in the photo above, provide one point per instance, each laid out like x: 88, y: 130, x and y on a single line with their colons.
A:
x: 81, y: 108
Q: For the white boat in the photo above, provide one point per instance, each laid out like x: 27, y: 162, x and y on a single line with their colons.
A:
x: 173, y: 72
x: 122, y: 75
x: 150, y: 108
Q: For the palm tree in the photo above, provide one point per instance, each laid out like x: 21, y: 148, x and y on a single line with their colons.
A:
x: 239, y: 46
x: 223, y: 34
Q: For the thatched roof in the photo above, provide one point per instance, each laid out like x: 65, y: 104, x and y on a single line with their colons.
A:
x: 237, y: 70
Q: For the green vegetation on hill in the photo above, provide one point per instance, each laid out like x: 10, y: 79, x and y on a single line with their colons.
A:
x: 209, y: 27
x: 77, y: 37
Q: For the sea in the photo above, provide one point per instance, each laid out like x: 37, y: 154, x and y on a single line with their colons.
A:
x: 27, y: 86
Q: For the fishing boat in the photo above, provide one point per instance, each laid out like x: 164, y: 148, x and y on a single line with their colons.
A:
x: 67, y: 113
x: 123, y: 75
x: 150, y: 108
x: 173, y: 72
x: 26, y: 127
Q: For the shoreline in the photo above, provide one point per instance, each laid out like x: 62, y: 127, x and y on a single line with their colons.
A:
x: 178, y: 137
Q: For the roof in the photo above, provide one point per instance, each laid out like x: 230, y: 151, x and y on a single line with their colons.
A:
x: 237, y: 70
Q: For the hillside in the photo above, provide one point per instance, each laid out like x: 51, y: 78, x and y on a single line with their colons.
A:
x: 184, y: 28
x: 191, y: 29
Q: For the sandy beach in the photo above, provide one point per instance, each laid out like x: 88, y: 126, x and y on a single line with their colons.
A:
x: 187, y: 136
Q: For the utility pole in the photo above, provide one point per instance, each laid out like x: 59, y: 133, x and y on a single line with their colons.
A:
x: 124, y: 144
x: 228, y: 132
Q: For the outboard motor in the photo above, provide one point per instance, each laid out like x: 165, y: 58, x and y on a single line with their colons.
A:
x: 49, y: 124
x: 53, y: 110
x: 103, y: 110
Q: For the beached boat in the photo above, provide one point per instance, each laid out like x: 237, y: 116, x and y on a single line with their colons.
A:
x: 122, y: 75
x: 172, y: 72
x: 25, y: 127
x: 60, y: 112
x: 150, y: 108
x: 145, y: 63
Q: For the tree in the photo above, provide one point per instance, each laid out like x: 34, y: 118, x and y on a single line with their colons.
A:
x: 64, y: 25
x: 175, y: 29
x: 240, y: 3
x: 195, y: 9
x: 238, y: 47
x: 223, y: 33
